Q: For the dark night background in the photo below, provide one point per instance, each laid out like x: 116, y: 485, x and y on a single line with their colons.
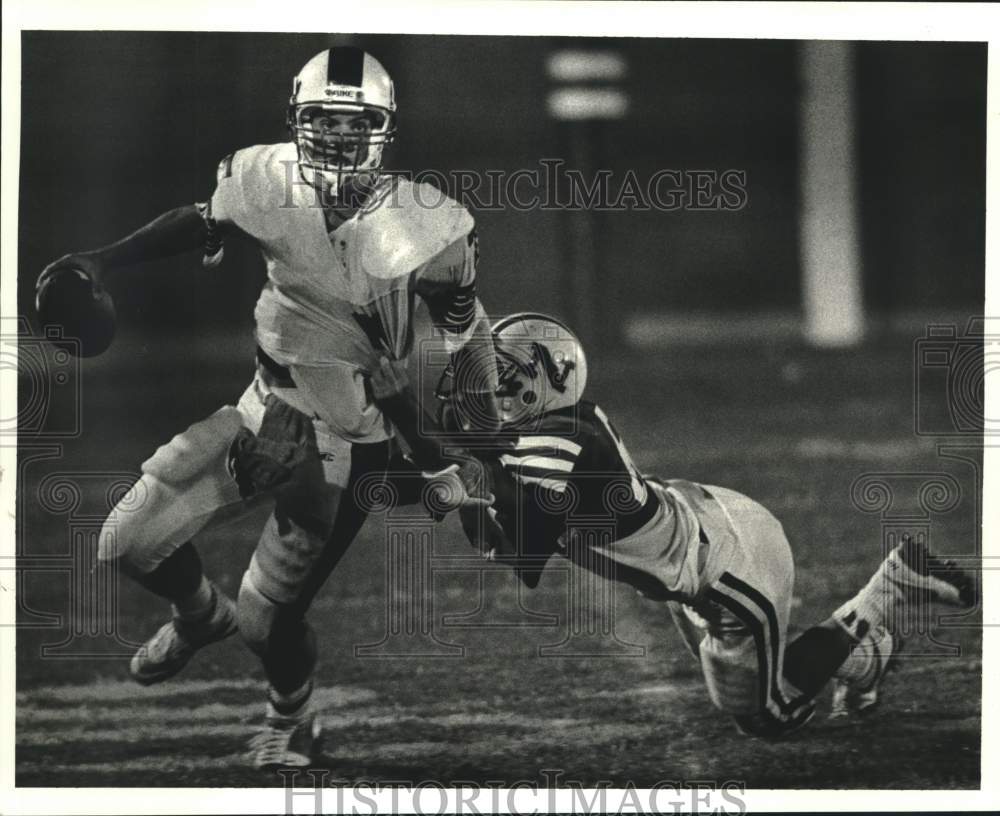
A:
x: 118, y: 127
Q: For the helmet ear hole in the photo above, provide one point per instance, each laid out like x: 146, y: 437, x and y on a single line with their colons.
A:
x: 529, y: 397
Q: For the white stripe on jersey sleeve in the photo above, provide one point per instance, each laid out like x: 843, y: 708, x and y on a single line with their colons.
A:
x: 549, y: 482
x: 537, y: 462
x: 557, y: 442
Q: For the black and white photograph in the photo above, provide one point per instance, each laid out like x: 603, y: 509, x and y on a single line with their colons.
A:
x: 450, y: 413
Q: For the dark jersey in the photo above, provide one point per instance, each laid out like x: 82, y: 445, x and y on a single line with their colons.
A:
x: 568, y: 473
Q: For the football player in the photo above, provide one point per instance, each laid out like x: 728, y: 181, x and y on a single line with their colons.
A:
x: 347, y: 247
x: 565, y: 483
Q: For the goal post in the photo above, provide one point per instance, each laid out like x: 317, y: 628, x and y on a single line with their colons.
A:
x: 833, y: 310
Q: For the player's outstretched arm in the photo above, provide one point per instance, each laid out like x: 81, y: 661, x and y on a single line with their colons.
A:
x: 447, y: 284
x: 178, y: 230
x: 461, y: 476
x: 476, y: 378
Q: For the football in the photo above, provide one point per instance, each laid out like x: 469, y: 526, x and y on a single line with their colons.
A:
x: 67, y: 300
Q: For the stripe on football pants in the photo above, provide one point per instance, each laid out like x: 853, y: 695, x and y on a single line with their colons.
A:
x: 763, y: 603
x: 767, y: 641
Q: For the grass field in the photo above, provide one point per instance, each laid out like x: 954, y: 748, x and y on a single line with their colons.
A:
x: 792, y: 428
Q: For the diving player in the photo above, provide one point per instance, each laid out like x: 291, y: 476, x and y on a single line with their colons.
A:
x: 347, y: 248
x: 566, y: 483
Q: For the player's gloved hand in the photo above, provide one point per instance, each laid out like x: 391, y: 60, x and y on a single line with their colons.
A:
x: 389, y: 379
x: 89, y: 262
x: 485, y: 533
x: 457, y: 486
x: 282, y: 452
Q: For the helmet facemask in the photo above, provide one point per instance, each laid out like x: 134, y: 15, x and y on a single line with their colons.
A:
x: 340, y: 146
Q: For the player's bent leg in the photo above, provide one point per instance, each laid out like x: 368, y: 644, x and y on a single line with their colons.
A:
x: 858, y: 679
x: 286, y: 645
x: 273, y: 625
x: 173, y: 645
x: 909, y: 577
x: 302, y: 543
x: 818, y: 654
x: 183, y: 486
x: 741, y: 660
x: 813, y: 657
x: 746, y: 610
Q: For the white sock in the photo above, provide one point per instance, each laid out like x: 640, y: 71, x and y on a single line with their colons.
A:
x: 860, y: 666
x: 198, y: 605
x: 867, y: 659
x: 874, y: 605
x: 287, y: 703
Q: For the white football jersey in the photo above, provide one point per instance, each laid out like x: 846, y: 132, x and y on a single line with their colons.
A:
x: 332, y: 297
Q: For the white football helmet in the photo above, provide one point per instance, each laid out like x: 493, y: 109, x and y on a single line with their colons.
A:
x: 341, y: 115
x: 541, y: 367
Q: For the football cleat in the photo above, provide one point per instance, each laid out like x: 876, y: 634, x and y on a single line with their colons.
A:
x: 287, y: 740
x: 170, y: 649
x: 914, y: 569
x: 764, y: 725
x: 909, y: 578
x: 861, y: 695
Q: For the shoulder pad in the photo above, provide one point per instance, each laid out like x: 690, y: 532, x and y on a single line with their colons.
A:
x: 251, y: 184
x: 256, y: 157
x: 406, y: 225
x: 259, y: 169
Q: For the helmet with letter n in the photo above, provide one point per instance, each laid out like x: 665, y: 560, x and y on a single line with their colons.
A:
x: 341, y: 115
x: 541, y: 367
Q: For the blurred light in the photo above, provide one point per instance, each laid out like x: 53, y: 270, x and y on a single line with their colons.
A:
x: 830, y: 242
x: 577, y: 66
x: 587, y: 103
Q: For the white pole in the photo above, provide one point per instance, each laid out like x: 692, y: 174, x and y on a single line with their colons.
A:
x: 831, y: 284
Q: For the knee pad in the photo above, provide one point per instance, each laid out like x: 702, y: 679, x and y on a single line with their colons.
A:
x: 197, y: 448
x: 182, y: 486
x: 284, y: 559
x: 155, y: 517
x: 272, y: 629
x: 256, y: 615
x: 144, y: 528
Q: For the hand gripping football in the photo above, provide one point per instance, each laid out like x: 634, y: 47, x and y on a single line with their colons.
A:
x: 68, y: 301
